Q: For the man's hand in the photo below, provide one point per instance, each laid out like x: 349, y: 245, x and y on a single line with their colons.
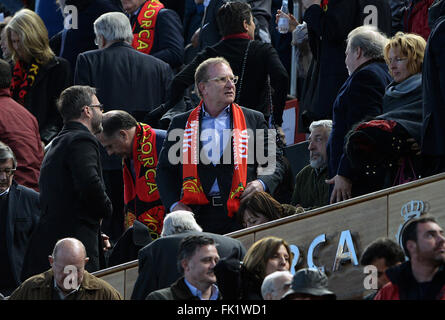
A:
x: 195, y: 38
x: 414, y: 146
x: 106, y: 242
x: 342, y: 188
x: 181, y: 206
x: 293, y: 23
x: 281, y: 134
x: 251, y: 188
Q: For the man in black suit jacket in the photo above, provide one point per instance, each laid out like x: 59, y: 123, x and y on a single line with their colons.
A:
x: 209, y: 187
x: 125, y: 80
x: 72, y: 192
x: 19, y: 215
x: 158, y: 260
x: 162, y: 30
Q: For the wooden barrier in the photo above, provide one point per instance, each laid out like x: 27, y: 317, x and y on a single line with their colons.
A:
x: 333, y: 237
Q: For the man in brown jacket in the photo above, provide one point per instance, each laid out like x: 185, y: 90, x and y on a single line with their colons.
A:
x: 67, y: 278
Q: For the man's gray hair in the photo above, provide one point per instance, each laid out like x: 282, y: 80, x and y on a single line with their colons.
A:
x: 268, y: 285
x: 327, y: 124
x: 369, y: 39
x: 178, y: 222
x: 6, y: 153
x: 114, y: 26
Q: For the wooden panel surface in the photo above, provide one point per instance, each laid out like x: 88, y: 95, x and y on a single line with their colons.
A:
x: 117, y: 280
x: 366, y: 221
x: 432, y: 195
x: 131, y: 276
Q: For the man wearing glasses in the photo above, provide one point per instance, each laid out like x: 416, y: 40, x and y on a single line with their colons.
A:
x: 72, y: 192
x: 19, y: 215
x: 216, y: 171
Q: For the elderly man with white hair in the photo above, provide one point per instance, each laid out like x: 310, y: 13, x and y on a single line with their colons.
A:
x: 158, y: 260
x: 275, y: 285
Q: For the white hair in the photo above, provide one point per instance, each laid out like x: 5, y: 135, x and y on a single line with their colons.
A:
x: 269, y: 282
x: 327, y: 124
x: 114, y: 26
x: 178, y: 222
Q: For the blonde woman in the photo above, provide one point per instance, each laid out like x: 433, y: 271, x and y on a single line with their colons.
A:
x: 38, y: 76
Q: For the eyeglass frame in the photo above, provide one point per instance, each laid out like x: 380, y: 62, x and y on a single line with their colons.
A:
x: 100, y: 106
x: 224, y: 79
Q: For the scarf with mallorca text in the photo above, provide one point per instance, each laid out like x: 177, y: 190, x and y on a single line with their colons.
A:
x: 23, y: 78
x: 192, y: 191
x: 144, y: 27
x: 141, y: 197
x: 324, y: 5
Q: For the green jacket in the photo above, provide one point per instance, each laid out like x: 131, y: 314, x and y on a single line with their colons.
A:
x: 311, y: 190
x: 41, y: 287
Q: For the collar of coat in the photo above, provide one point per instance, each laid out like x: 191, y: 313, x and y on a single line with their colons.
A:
x: 46, y: 279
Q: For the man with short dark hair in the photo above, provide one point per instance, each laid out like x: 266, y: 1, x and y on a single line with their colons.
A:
x: 126, y: 80
x: 422, y: 277
x: 72, y: 191
x: 20, y: 131
x: 157, y: 260
x: 197, y: 258
x: 19, y: 215
x: 382, y: 253
x: 138, y: 145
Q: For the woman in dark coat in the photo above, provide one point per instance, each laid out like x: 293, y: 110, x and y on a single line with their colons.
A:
x: 38, y: 76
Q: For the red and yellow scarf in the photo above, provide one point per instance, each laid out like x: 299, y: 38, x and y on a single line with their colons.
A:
x: 144, y: 28
x: 192, y: 191
x: 23, y: 79
x: 324, y: 5
x: 141, y: 197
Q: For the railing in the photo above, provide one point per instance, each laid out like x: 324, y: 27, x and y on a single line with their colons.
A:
x: 333, y: 237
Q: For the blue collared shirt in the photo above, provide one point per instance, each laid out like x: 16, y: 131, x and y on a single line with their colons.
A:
x: 197, y: 293
x: 212, y: 129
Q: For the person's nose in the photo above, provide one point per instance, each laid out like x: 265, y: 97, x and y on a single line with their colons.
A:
x: 3, y: 175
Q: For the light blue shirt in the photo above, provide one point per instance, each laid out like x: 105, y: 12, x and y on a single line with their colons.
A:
x: 212, y: 131
x: 197, y: 293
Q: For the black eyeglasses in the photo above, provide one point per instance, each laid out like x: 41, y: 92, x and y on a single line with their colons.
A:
x: 8, y: 171
x: 100, y: 106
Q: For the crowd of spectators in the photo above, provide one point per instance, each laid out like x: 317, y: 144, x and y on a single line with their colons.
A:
x: 114, y: 117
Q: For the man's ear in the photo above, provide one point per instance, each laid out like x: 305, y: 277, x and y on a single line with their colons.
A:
x: 184, y: 264
x: 123, y: 134
x: 359, y: 52
x: 201, y: 87
x: 51, y: 260
x: 245, y: 25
